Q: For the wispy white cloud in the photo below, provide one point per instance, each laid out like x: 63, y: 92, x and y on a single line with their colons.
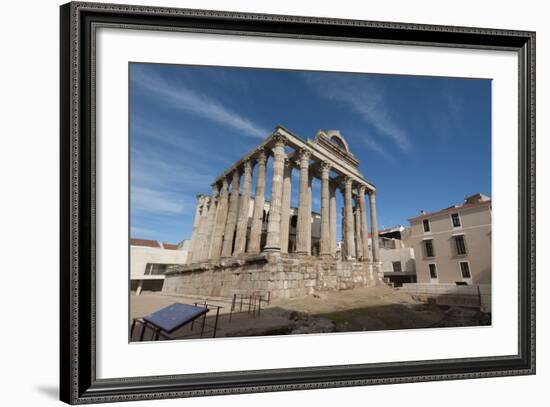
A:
x: 373, y: 145
x: 193, y: 147
x: 182, y: 97
x: 366, y: 99
x: 160, y: 202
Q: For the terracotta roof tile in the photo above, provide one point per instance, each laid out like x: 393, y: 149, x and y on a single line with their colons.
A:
x: 144, y: 242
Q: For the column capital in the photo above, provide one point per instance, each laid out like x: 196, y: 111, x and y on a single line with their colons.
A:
x: 325, y: 168
x: 362, y: 189
x: 348, y: 181
x: 260, y: 155
x: 288, y: 164
x: 236, y: 174
x: 215, y: 189
x: 303, y: 156
x: 247, y: 165
x: 372, y: 196
x: 279, y: 140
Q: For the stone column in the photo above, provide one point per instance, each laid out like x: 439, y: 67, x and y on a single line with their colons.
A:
x: 309, y: 209
x: 303, y: 227
x: 199, y: 247
x: 285, y: 206
x: 325, y: 245
x: 273, y: 241
x: 374, y: 228
x: 364, y: 227
x: 332, y: 220
x: 242, y: 223
x: 211, y: 218
x: 231, y: 222
x: 194, y: 233
x: 350, y: 240
x: 358, y: 239
x: 219, y: 224
x: 259, y: 200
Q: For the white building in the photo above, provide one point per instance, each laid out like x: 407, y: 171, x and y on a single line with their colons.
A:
x: 149, y: 260
x: 396, y: 255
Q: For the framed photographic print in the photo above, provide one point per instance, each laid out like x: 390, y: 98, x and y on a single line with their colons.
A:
x: 255, y: 203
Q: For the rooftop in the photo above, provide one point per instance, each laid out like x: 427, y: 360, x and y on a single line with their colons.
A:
x: 152, y: 243
x: 471, y: 201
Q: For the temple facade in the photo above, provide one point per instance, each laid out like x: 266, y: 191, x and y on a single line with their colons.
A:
x: 244, y: 242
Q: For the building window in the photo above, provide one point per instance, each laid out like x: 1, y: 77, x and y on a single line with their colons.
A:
x: 456, y: 220
x: 396, y: 266
x: 156, y: 269
x: 426, y: 223
x: 465, y: 269
x: 460, y: 245
x: 433, y: 271
x: 429, y: 248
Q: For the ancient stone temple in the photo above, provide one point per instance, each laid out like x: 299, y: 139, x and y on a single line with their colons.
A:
x: 244, y: 243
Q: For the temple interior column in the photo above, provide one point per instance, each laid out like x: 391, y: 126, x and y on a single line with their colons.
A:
x: 210, y: 223
x: 231, y: 222
x: 273, y: 241
x: 364, y: 227
x: 350, y: 240
x: 285, y: 205
x: 325, y: 245
x: 242, y: 222
x: 219, y: 224
x: 374, y: 227
x: 358, y: 239
x: 303, y: 228
x: 259, y: 200
x: 332, y: 216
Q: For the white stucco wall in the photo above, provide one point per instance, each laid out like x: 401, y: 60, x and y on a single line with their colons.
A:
x: 141, y: 255
x: 404, y: 255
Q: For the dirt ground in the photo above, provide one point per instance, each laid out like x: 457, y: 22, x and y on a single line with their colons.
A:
x: 361, y: 309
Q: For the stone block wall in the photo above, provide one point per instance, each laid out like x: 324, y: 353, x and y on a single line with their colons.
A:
x: 283, y: 277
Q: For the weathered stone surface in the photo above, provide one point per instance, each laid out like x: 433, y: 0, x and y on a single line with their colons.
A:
x: 282, y: 277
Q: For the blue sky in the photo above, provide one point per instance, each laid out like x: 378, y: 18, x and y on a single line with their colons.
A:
x: 425, y: 142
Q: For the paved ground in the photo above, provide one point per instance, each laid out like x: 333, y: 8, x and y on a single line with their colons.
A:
x: 361, y: 309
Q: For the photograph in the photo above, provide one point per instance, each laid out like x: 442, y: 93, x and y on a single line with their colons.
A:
x: 288, y: 202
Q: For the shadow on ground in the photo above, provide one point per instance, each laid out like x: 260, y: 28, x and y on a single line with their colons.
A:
x: 405, y: 316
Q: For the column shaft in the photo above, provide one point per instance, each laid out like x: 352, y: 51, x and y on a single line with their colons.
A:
x: 231, y: 222
x: 350, y: 241
x: 199, y: 247
x: 219, y: 224
x: 194, y: 233
x: 358, y: 239
x: 332, y: 209
x: 242, y: 223
x: 211, y: 218
x: 259, y: 200
x: 285, y: 206
x: 304, y: 213
x: 364, y: 227
x: 374, y: 228
x: 273, y: 241
x: 325, y: 244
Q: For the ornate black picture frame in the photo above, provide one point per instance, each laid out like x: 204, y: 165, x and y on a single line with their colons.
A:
x: 79, y: 383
